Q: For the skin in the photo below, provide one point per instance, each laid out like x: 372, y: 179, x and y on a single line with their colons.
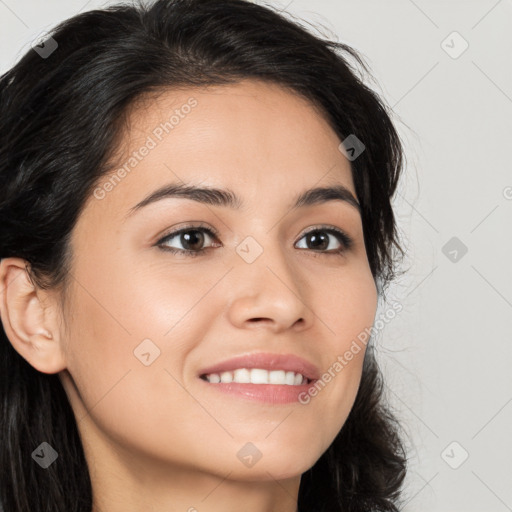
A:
x: 154, y: 438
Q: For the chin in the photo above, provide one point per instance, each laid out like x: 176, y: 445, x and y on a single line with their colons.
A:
x: 267, y: 473
x: 274, y: 467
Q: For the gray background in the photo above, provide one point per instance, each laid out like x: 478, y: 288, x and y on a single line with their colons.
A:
x: 446, y: 356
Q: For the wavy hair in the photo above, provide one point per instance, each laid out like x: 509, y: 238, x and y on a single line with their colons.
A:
x: 61, y: 118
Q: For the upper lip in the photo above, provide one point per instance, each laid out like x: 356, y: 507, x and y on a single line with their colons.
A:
x: 266, y: 361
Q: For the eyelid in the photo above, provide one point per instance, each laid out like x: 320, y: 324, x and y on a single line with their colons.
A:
x: 187, y: 227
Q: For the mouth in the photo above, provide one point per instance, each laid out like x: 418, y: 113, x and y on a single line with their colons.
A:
x: 257, y: 376
x: 262, y: 377
x: 262, y: 368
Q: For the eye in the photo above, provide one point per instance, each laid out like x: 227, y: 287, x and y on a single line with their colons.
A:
x: 319, y: 241
x: 192, y: 239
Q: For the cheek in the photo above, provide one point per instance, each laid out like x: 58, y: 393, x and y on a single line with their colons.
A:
x: 130, y: 333
x: 348, y: 313
x: 129, y: 375
x: 347, y: 309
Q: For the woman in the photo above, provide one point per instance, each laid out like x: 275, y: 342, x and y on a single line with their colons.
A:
x: 135, y: 374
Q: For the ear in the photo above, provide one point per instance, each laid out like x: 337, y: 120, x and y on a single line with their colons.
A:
x: 29, y: 318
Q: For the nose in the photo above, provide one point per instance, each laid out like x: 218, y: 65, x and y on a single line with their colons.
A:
x: 269, y: 292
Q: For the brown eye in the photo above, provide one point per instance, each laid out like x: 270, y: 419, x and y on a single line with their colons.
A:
x: 192, y: 240
x: 318, y: 240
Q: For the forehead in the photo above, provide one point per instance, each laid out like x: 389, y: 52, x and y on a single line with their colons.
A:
x: 259, y: 139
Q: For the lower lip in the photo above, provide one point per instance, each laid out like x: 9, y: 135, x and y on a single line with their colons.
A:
x: 265, y: 393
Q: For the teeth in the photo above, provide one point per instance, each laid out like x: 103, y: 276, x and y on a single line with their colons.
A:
x: 214, y: 377
x: 257, y: 376
x: 243, y: 376
x: 223, y: 377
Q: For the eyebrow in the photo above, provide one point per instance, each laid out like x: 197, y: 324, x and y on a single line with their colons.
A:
x: 227, y: 198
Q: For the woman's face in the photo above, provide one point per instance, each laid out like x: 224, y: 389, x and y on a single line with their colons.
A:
x: 142, y: 322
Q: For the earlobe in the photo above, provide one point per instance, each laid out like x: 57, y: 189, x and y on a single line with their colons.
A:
x: 26, y: 319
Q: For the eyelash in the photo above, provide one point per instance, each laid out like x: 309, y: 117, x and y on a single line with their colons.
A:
x: 342, y: 237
